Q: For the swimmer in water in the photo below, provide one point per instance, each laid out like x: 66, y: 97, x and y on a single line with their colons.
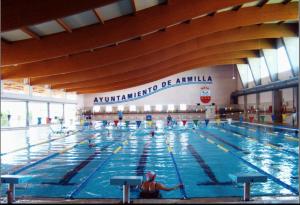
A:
x: 152, y: 133
x: 91, y: 144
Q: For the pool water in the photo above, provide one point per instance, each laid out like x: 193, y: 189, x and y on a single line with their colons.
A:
x: 198, y: 156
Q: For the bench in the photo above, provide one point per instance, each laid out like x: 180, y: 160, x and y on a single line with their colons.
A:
x: 126, y: 182
x: 247, y: 179
x: 12, y: 180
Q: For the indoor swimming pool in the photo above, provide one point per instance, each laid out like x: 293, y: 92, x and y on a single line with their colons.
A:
x: 199, y: 157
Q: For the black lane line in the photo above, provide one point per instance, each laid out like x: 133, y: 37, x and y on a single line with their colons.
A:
x: 206, y: 168
x: 225, y: 142
x: 69, y: 175
x: 140, y: 170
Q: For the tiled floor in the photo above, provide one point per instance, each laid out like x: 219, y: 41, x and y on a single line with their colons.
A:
x: 235, y: 200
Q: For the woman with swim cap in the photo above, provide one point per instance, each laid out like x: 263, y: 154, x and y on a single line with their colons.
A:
x: 150, y: 188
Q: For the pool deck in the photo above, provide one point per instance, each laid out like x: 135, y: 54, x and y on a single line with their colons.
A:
x: 234, y: 200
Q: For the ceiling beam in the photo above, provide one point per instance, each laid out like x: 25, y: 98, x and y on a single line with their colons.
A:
x: 98, y: 15
x: 236, y: 8
x: 148, y: 20
x: 153, y: 43
x: 30, y: 33
x: 234, y: 35
x: 156, y: 76
x: 4, y: 41
x: 18, y: 13
x: 286, y: 1
x: 209, y: 52
x: 64, y: 25
x: 133, y: 6
x: 261, y: 3
x: 142, y: 73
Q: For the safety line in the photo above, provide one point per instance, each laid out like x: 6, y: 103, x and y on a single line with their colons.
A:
x: 272, y: 145
x: 72, y: 173
x: 50, y: 156
x: 276, y: 180
x: 33, y: 145
x: 182, y: 189
x: 140, y: 169
x: 271, y: 126
x: 206, y: 168
x: 73, y: 193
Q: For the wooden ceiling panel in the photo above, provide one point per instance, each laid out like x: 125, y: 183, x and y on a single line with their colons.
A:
x: 206, y: 52
x: 18, y: 13
x: 157, y: 76
x: 235, y: 35
x: 155, y: 42
x: 127, y: 27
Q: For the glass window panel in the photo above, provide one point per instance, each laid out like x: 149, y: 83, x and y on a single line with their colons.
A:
x: 147, y: 108
x: 158, y: 107
x: 245, y: 73
x: 15, y: 86
x: 132, y: 108
x: 255, y: 67
x: 71, y: 95
x: 56, y: 112
x: 120, y: 107
x: 182, y: 107
x: 13, y: 114
x: 283, y: 61
x: 292, y: 47
x: 259, y: 69
x: 271, y: 60
x: 40, y: 91
x: 37, y: 110
x: 108, y: 108
x: 70, y: 113
x: 96, y: 108
x: 171, y: 107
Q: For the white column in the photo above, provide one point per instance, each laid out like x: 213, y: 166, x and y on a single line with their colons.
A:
x: 27, y: 114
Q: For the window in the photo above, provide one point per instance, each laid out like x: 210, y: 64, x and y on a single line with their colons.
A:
x: 271, y: 60
x: 292, y: 48
x: 37, y: 111
x: 108, y: 108
x: 15, y: 86
x: 147, y: 108
x: 70, y: 113
x: 56, y: 112
x: 171, y: 107
x: 96, y: 108
x: 132, y: 108
x: 58, y: 93
x: 259, y: 69
x: 182, y: 107
x: 40, y: 91
x: 71, y: 95
x: 120, y: 108
x: 245, y: 73
x: 282, y: 60
x: 13, y: 114
x: 158, y: 108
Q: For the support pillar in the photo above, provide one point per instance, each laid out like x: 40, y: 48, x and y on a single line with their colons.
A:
x: 276, y: 105
x: 27, y: 114
x: 63, y: 116
x: 257, y: 106
x: 296, y: 105
x: 48, y: 109
x: 245, y: 107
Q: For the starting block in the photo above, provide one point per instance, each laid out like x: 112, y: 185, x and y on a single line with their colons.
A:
x: 126, y: 182
x: 12, y: 180
x: 247, y: 179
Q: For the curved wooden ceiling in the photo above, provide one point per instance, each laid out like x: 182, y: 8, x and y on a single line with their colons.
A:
x: 136, y: 49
